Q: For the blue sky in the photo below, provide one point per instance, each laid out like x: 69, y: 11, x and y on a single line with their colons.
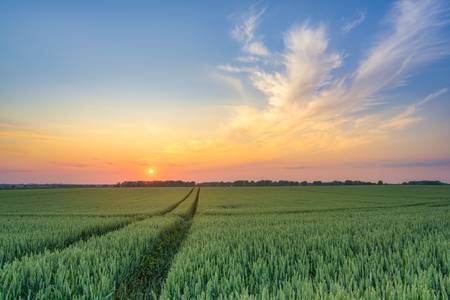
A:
x: 165, y: 65
x: 150, y: 45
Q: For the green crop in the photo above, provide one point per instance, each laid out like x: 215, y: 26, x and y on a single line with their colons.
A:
x: 342, y: 242
x: 89, y: 201
x: 392, y: 243
x: 21, y: 236
x: 90, y: 269
x: 254, y: 200
x: 94, y: 268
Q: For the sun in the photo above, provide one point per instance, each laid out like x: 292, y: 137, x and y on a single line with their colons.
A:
x: 151, y: 171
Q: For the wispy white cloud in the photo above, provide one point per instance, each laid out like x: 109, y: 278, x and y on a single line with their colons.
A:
x: 408, y: 116
x: 352, y: 24
x: 414, y: 38
x: 384, y: 164
x: 235, y: 83
x: 306, y: 66
x: 310, y: 109
x: 8, y: 130
x: 307, y: 102
x: 245, y: 32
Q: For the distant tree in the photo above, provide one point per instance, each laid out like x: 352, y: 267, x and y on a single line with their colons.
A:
x: 424, y: 182
x: 380, y: 182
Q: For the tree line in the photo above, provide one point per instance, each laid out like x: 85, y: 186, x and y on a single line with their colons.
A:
x: 181, y: 183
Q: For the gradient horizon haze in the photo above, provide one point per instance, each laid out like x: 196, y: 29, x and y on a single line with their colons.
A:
x: 107, y: 91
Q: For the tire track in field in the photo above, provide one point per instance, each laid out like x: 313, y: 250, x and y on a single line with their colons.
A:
x: 147, y: 282
x: 97, y: 232
x: 172, y: 207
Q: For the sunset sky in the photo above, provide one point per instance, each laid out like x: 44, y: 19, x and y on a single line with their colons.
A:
x: 103, y: 91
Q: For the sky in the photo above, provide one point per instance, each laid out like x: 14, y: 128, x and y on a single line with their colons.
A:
x: 104, y: 91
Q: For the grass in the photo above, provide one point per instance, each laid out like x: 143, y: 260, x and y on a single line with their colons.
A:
x: 335, y: 243
x: 147, y: 282
x: 260, y: 200
x: 89, y: 201
x: 20, y: 236
x: 91, y: 269
x: 96, y: 267
x: 358, y: 242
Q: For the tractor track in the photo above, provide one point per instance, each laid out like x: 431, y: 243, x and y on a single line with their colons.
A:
x: 84, y: 236
x: 147, y: 282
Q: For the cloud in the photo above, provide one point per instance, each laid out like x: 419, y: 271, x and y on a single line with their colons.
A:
x: 244, y: 32
x: 306, y: 67
x: 408, y: 116
x: 70, y: 164
x: 413, y: 38
x: 400, y: 164
x: 307, y: 110
x: 384, y: 164
x: 235, y: 83
x: 311, y: 107
x: 444, y: 163
x: 13, y: 130
x: 352, y: 24
x: 14, y: 170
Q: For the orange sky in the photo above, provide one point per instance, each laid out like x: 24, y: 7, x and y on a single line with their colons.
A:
x: 225, y: 102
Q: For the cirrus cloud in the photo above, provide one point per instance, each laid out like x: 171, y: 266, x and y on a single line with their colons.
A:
x: 308, y: 110
x: 306, y: 103
x: 352, y: 24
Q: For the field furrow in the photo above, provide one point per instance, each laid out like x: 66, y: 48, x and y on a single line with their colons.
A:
x: 92, y: 269
x: 243, y: 243
x: 395, y: 253
x: 28, y: 236
x: 147, y: 282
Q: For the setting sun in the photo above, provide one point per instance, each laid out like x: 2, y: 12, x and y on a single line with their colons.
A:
x: 225, y: 149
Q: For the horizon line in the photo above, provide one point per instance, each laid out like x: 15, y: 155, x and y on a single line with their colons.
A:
x: 229, y: 181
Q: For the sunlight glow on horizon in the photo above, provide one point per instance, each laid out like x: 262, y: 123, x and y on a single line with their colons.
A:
x: 261, y: 91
